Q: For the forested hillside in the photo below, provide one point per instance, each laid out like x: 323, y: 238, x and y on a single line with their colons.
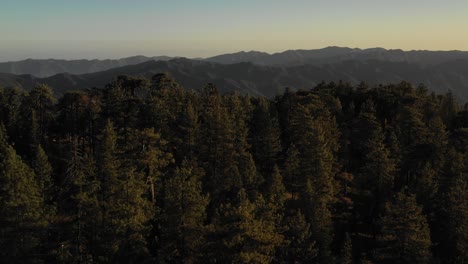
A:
x: 269, y: 81
x: 318, y: 57
x: 148, y: 172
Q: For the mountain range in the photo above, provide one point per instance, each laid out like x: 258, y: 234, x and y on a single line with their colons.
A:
x: 256, y: 73
x: 338, y: 54
x: 49, y: 67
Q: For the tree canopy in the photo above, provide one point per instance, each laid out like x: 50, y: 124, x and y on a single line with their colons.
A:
x: 145, y: 171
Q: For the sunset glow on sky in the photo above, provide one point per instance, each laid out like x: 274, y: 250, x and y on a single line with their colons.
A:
x: 112, y: 29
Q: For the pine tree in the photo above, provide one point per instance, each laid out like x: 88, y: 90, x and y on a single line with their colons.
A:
x: 242, y: 235
x: 47, y: 190
x: 291, y: 171
x: 122, y: 102
x: 83, y: 188
x: 457, y: 210
x: 125, y: 211
x: 405, y: 234
x: 314, y: 133
x: 43, y: 172
x: 322, y: 230
x: 187, y: 132
x: 135, y: 185
x: 451, y: 210
x: 377, y: 171
x: 29, y: 133
x: 265, y: 136
x: 21, y: 208
x: 164, y: 103
x: 152, y: 158
x: 273, y: 209
x: 318, y: 191
x: 276, y: 194
x: 41, y: 100
x: 240, y: 112
x: 449, y: 107
x: 183, y: 216
x: 108, y: 166
x: 249, y: 176
x: 217, y: 148
x: 299, y: 246
x: 412, y: 127
x: 10, y: 106
x: 3, y: 142
x: 78, y: 113
x: 129, y: 219
x: 378, y: 167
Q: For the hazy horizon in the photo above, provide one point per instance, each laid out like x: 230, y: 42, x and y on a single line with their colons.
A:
x: 117, y: 29
x: 209, y: 54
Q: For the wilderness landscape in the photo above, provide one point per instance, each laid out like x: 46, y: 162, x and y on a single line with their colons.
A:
x: 256, y: 73
x: 323, y: 132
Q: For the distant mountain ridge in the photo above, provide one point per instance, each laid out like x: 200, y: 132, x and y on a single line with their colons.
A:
x: 50, y: 67
x: 317, y: 57
x: 250, y: 78
x: 339, y: 54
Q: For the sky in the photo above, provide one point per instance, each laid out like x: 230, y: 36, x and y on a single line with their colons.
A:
x: 100, y: 29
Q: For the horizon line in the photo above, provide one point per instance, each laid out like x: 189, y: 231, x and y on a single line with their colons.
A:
x: 236, y: 52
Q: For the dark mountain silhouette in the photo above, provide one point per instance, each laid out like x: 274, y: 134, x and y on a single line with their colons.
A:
x: 289, y: 57
x: 339, y: 54
x: 46, y: 68
x: 254, y: 79
x: 318, y: 57
x: 250, y: 56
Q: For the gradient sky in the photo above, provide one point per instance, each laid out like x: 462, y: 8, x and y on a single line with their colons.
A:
x: 71, y: 29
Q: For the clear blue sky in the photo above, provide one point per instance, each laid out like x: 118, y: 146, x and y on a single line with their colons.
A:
x: 199, y: 28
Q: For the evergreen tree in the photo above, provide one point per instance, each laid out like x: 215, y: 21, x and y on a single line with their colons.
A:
x: 43, y: 172
x: 3, y: 142
x: 314, y: 133
x: 457, y: 199
x: 10, y: 110
x: 29, y: 135
x: 405, y: 234
x: 322, y: 230
x: 249, y: 177
x: 276, y: 194
x: 78, y: 113
x: 164, y: 103
x: 47, y: 191
x: 152, y: 158
x: 240, y: 111
x: 377, y: 170
x: 125, y: 211
x: 265, y: 136
x: 123, y: 175
x: 83, y: 188
x: 299, y: 246
x: 42, y: 100
x: 187, y: 133
x: 183, y: 216
x: 451, y: 213
x: 242, y: 235
x: 217, y: 148
x: 122, y: 102
x: 291, y: 171
x: 21, y: 208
